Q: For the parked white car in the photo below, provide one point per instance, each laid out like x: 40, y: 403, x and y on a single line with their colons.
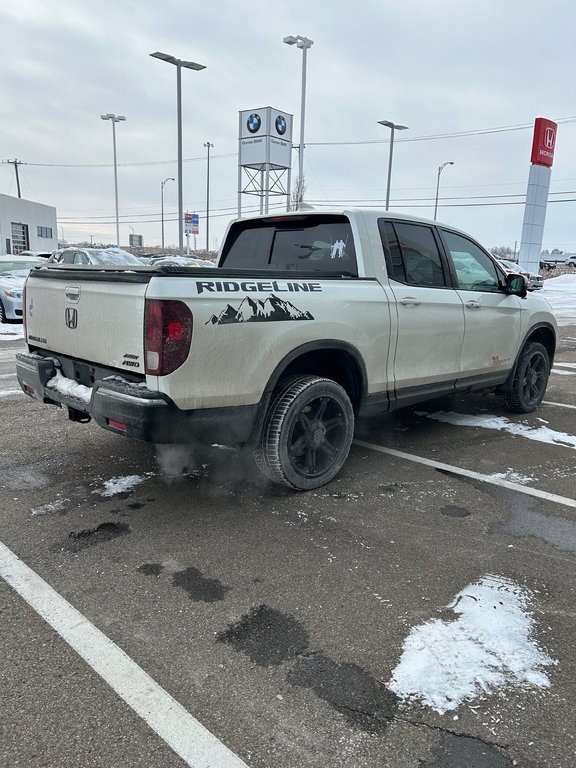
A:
x: 97, y: 256
x: 13, y: 273
x: 534, y: 280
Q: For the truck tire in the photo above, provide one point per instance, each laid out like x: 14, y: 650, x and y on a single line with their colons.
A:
x: 530, y: 380
x: 307, y: 432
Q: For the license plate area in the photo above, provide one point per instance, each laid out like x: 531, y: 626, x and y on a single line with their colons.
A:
x: 84, y: 374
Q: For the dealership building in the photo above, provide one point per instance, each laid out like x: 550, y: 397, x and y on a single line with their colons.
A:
x: 26, y: 226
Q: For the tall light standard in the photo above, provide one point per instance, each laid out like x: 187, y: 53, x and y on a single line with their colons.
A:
x: 304, y: 43
x: 179, y: 63
x: 393, y: 127
x: 115, y: 119
x: 170, y: 178
x: 207, y: 145
x: 440, y: 169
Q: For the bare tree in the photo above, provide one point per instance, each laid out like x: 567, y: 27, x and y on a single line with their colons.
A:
x: 297, y: 194
x: 502, y: 251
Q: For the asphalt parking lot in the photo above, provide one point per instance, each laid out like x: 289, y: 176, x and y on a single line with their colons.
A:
x: 199, y: 594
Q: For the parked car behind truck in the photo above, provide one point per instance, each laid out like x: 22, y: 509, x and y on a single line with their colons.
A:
x: 310, y: 320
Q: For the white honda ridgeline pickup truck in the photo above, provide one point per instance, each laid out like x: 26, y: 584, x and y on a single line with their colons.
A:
x: 310, y: 319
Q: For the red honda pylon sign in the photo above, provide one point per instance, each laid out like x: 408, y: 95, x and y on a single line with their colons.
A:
x: 544, y: 142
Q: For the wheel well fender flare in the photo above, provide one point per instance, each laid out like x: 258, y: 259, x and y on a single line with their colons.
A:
x: 355, y: 375
x: 542, y: 332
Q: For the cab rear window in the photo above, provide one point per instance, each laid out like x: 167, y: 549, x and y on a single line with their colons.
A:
x: 304, y: 243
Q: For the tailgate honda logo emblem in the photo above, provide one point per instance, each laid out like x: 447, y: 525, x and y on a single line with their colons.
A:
x: 71, y: 317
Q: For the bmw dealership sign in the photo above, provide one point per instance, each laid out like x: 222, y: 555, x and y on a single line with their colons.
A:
x: 265, y: 138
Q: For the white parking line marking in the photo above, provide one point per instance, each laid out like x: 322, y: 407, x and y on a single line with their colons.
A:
x: 8, y: 375
x: 560, y: 405
x: 8, y: 392
x: 8, y: 354
x: 178, y: 728
x: 561, y: 364
x: 563, y: 500
x: 560, y: 372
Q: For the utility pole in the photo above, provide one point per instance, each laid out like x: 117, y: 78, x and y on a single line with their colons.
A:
x: 16, y: 163
x: 208, y: 146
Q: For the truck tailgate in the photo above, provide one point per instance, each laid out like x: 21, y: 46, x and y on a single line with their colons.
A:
x: 88, y: 315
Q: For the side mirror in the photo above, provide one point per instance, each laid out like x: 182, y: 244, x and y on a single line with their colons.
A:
x: 516, y: 286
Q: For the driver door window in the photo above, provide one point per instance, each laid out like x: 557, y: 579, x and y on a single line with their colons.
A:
x: 475, y: 270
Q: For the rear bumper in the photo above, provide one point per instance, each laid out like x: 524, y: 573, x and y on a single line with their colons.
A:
x: 133, y: 410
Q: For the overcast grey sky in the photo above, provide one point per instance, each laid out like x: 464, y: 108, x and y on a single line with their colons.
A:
x: 437, y: 66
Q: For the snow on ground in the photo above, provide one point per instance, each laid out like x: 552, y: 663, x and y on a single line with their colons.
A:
x: 489, y: 648
x: 11, y: 331
x: 513, y: 477
x: 501, y: 423
x: 560, y: 292
x: 122, y: 484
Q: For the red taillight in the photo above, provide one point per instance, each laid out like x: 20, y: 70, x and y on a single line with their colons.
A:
x: 167, y: 335
x: 116, y: 424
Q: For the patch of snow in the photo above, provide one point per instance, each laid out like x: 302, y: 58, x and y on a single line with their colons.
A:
x: 51, y: 507
x: 69, y: 387
x: 501, y: 423
x: 11, y: 331
x: 512, y: 477
x: 488, y: 648
x: 121, y: 484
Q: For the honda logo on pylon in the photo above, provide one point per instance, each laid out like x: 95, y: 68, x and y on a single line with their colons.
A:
x: 549, y: 137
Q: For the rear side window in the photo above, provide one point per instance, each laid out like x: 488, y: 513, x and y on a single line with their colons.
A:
x: 305, y: 243
x: 412, y: 254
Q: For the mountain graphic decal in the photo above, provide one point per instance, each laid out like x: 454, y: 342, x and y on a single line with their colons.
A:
x: 268, y: 310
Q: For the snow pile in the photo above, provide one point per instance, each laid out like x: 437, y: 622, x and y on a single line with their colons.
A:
x: 489, y: 647
x: 560, y: 292
x: 70, y: 387
x: 11, y: 331
x: 501, y: 423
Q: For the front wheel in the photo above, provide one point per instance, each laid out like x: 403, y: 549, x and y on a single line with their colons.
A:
x: 307, y: 433
x: 530, y: 380
x: 2, y: 313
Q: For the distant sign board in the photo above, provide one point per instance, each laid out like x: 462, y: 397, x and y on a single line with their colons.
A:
x: 544, y: 142
x: 191, y: 223
x: 136, y: 241
x: 265, y: 138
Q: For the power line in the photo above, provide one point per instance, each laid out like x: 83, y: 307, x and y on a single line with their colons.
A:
x: 428, y: 137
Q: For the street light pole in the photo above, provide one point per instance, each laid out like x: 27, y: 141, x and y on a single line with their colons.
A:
x: 440, y: 169
x: 162, y: 205
x: 115, y: 119
x: 179, y: 63
x: 304, y: 43
x: 393, y: 127
x: 207, y: 145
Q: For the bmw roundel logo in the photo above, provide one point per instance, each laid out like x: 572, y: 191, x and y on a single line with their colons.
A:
x: 254, y: 122
x: 281, y: 125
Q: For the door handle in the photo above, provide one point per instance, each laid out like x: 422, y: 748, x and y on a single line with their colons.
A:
x: 473, y: 304
x: 72, y: 292
x: 410, y: 302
